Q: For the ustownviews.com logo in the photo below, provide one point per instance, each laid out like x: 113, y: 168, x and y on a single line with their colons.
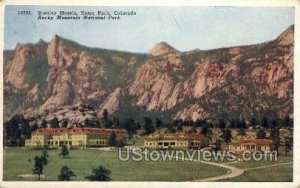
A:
x: 138, y: 154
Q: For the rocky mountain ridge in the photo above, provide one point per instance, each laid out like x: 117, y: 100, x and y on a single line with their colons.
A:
x: 226, y: 82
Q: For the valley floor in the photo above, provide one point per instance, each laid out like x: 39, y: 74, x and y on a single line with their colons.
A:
x: 19, y: 161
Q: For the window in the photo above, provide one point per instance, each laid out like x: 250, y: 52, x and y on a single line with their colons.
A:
x: 259, y: 147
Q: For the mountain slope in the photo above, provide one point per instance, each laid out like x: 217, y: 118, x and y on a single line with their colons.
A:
x: 228, y: 82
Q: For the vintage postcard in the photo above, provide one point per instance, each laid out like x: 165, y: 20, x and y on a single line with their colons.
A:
x: 142, y: 95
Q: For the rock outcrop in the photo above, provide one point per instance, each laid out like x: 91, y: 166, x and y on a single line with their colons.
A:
x: 162, y: 48
x: 237, y: 81
x: 26, y: 57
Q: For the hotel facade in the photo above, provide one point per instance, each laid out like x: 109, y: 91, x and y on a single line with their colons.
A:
x: 176, y: 141
x: 73, y: 138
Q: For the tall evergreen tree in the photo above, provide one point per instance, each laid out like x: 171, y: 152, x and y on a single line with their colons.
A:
x: 288, y: 143
x: 158, y: 123
x: 253, y: 122
x: 205, y: 130
x: 130, y: 126
x: 233, y: 123
x: 38, y: 166
x: 273, y: 123
x: 221, y: 124
x: 45, y: 156
x: 148, y: 127
x: 275, y: 136
x: 105, y: 114
x: 287, y: 122
x: 105, y: 121
x: 242, y: 124
x: 218, y: 146
x: 112, y: 139
x: 226, y: 135
x: 116, y: 122
x: 264, y: 122
x: 16, y: 130
x: 44, y: 123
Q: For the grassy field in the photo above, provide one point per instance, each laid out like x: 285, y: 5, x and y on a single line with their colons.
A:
x: 18, y: 161
x: 283, y: 173
x: 264, y: 171
x: 253, y: 164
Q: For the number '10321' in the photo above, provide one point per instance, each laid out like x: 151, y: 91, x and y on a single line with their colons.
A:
x: 24, y: 12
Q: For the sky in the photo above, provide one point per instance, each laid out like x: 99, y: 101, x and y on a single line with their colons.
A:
x: 185, y: 28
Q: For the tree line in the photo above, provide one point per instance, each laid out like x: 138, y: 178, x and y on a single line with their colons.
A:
x: 17, y: 129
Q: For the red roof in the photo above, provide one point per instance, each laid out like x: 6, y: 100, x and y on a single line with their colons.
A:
x: 78, y: 130
x: 180, y: 135
x: 255, y: 141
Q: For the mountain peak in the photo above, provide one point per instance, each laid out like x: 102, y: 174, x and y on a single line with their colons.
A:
x: 287, y: 36
x: 162, y: 48
x: 56, y: 36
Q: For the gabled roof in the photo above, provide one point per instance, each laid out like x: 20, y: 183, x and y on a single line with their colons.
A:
x: 254, y: 141
x: 78, y: 130
x: 178, y: 135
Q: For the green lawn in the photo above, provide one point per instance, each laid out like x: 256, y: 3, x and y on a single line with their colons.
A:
x: 18, y: 161
x: 280, y: 173
x: 283, y: 173
x: 253, y: 164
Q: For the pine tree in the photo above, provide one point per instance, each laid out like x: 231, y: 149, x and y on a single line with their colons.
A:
x: 288, y: 145
x: 275, y: 138
x: 112, y: 139
x: 226, y: 135
x: 65, y: 174
x: 99, y: 174
x: 64, y: 152
x: 242, y: 133
x: 45, y: 156
x: 221, y: 124
x: 148, y: 127
x: 253, y: 122
x: 38, y: 166
x: 129, y: 126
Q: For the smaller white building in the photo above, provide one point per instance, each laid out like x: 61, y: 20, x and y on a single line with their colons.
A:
x: 252, y: 145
